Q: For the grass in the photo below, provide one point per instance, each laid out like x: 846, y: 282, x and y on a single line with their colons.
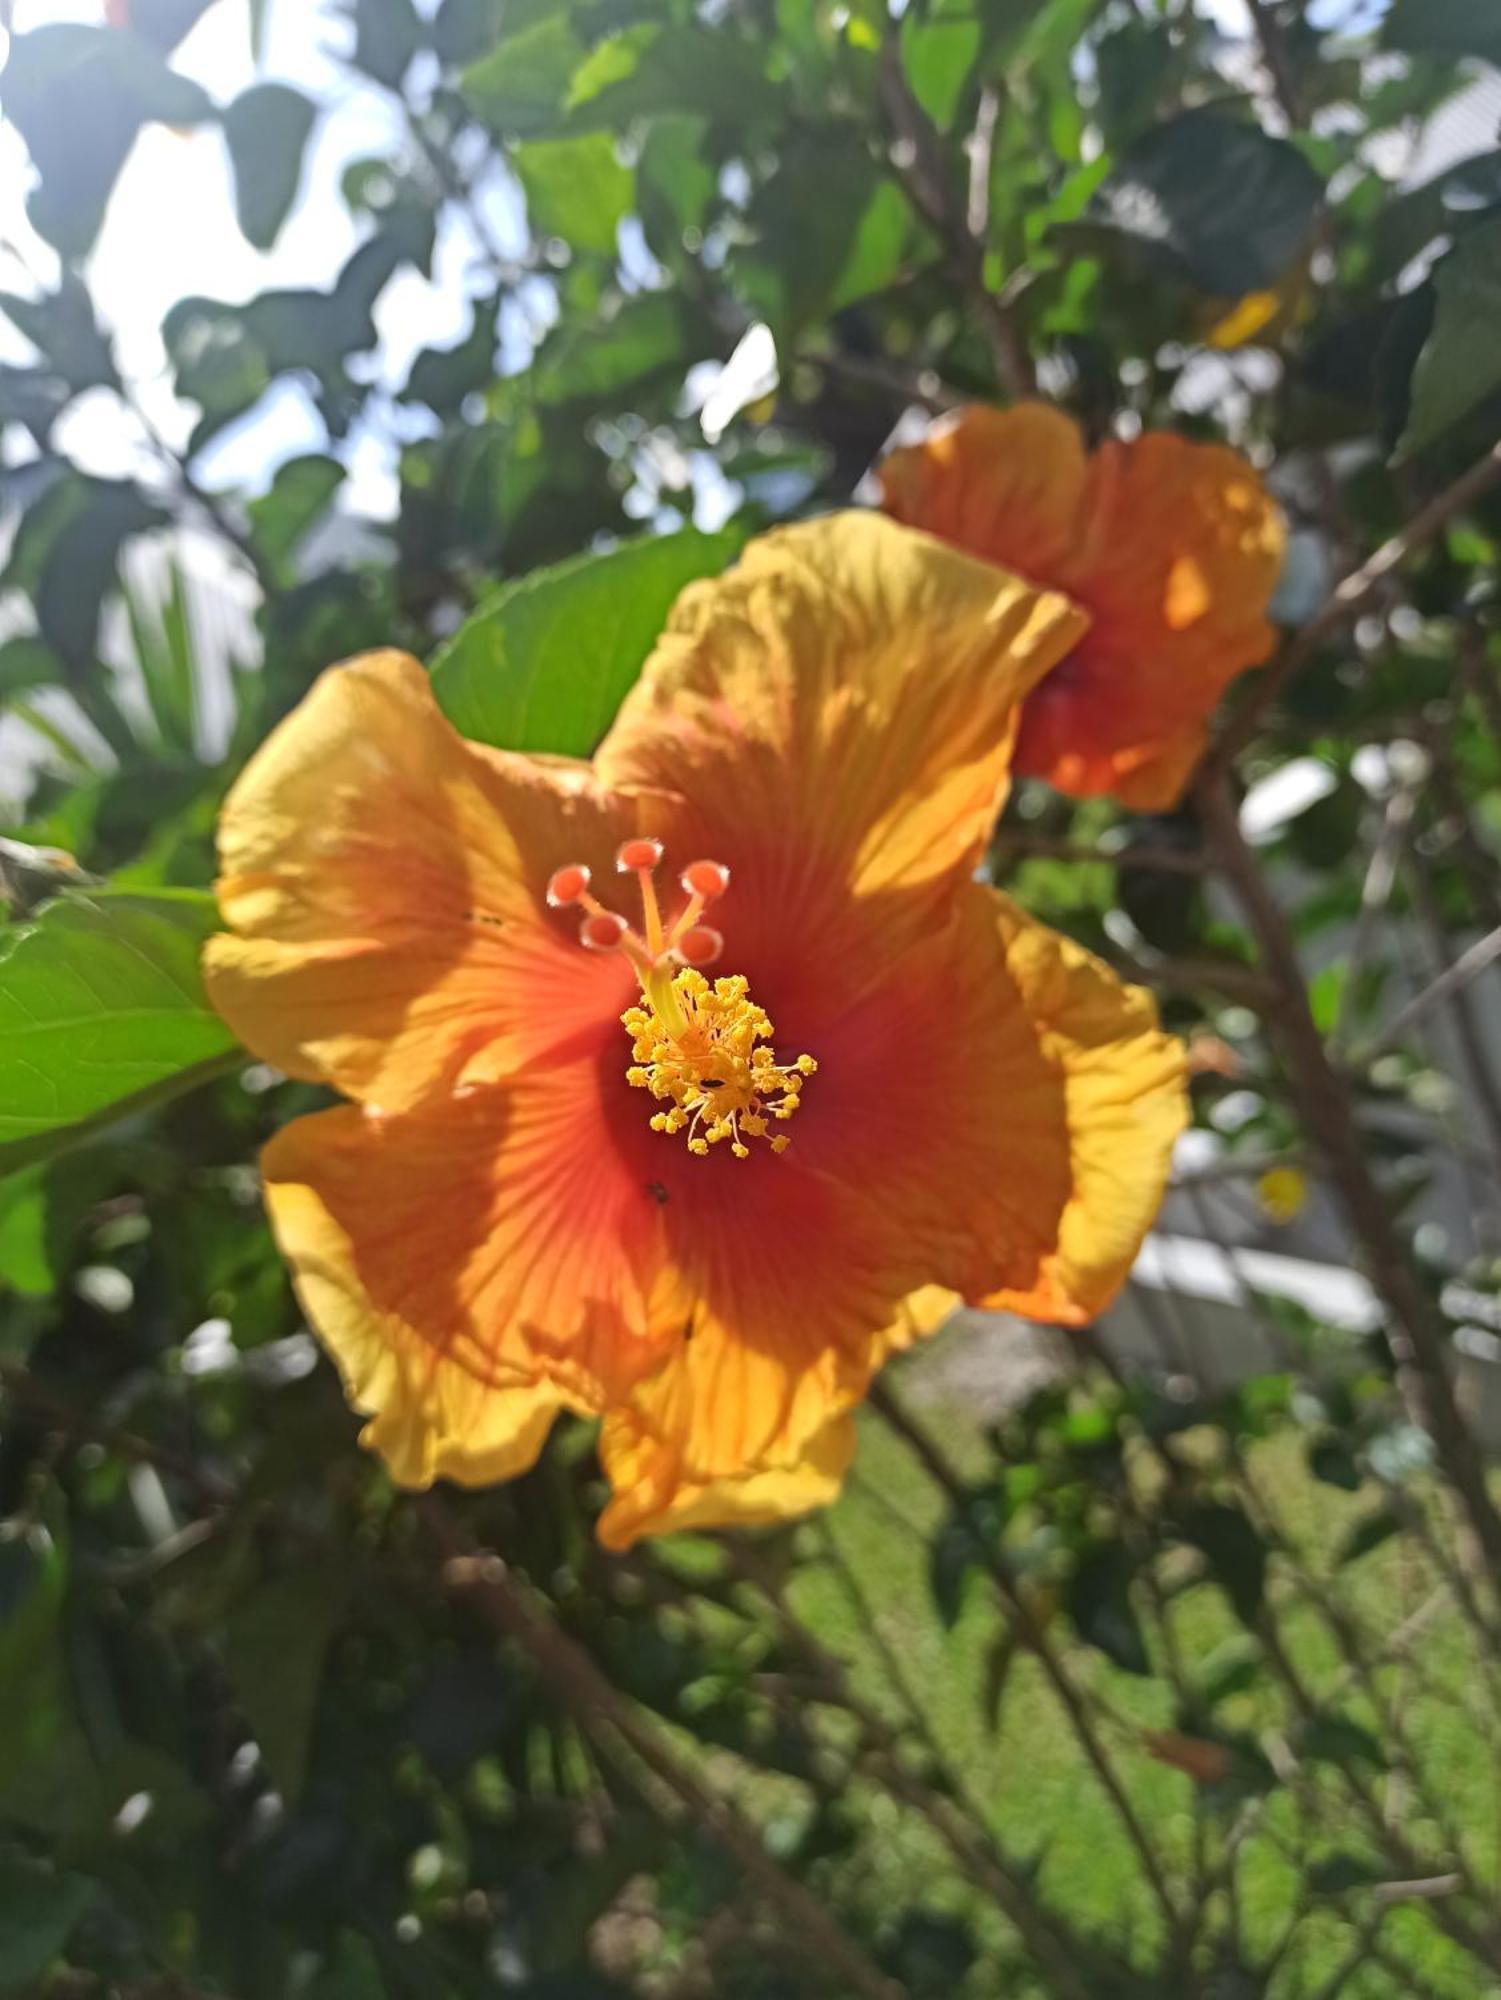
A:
x: 1011, y: 1746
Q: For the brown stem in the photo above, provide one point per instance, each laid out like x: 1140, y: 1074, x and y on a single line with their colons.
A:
x: 1416, y: 1338
x: 919, y: 159
x: 571, y: 1677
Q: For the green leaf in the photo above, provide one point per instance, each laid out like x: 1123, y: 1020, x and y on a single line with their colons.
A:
x: 1331, y: 1460
x: 295, y: 500
x: 1335, y: 1739
x: 442, y: 377
x: 648, y: 69
x: 1234, y: 1667
x: 102, y: 1013
x: 78, y: 96
x: 163, y: 640
x: 353, y: 1972
x: 1234, y: 1551
x: 674, y: 182
x: 25, y: 1266
x: 65, y: 556
x: 647, y: 337
x: 38, y: 1910
x: 1219, y: 200
x: 576, y: 189
x: 952, y: 1555
x: 546, y: 663
x: 518, y: 88
x: 267, y: 130
x: 812, y: 257
x: 938, y: 54
x: 1460, y: 363
x: 276, y: 1641
x: 387, y: 34
x: 1444, y: 28
x: 217, y: 362
x: 1338, y: 1874
x: 1099, y: 1602
x: 63, y: 327
x: 1369, y: 1534
x: 26, y: 664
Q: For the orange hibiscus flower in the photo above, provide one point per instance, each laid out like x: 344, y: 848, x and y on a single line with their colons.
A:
x: 579, y: 1171
x: 1172, y: 548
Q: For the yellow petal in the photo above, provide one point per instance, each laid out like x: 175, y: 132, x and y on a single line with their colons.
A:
x: 657, y: 1493
x: 1124, y: 1083
x: 847, y: 693
x: 384, y: 882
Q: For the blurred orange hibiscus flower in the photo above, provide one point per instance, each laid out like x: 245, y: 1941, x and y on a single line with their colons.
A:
x: 1173, y: 548
x: 579, y: 1171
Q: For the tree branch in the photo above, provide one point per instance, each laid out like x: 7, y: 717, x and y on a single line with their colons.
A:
x: 570, y: 1676
x: 1349, y: 598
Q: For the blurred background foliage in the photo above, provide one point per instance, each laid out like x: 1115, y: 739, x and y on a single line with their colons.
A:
x: 1157, y: 1660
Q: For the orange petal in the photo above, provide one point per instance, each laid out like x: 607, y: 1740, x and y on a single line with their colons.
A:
x: 1124, y: 1082
x: 473, y: 1265
x: 1005, y: 485
x: 1172, y: 548
x: 385, y: 884
x: 1179, y: 551
x: 838, y: 711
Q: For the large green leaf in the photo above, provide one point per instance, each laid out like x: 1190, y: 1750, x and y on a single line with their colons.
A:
x: 1461, y: 359
x: 102, y: 1012
x: 810, y: 258
x: 649, y: 336
x: 38, y: 1910
x: 1444, y: 28
x: 1217, y: 199
x: 576, y: 189
x: 267, y: 130
x: 546, y: 663
x: 1099, y: 1602
x: 297, y: 498
x: 518, y: 88
x: 276, y: 1640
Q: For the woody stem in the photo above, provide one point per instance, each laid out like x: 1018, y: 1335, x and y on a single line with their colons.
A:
x: 1414, y: 1334
x: 623, y: 1733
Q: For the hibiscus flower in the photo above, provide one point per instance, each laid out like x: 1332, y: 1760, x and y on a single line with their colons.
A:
x: 1173, y: 549
x: 679, y: 1078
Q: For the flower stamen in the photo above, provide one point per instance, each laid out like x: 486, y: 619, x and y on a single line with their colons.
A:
x: 702, y: 1050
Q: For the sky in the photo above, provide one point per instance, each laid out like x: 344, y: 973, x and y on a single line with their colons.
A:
x: 170, y: 231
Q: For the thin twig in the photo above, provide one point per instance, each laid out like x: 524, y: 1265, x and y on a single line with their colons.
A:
x: 1034, y: 1637
x: 611, y: 1719
x: 1348, y: 599
x: 1416, y: 1339
x: 1453, y: 979
x: 920, y: 160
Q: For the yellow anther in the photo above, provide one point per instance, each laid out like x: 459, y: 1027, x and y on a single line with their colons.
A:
x: 702, y: 1050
